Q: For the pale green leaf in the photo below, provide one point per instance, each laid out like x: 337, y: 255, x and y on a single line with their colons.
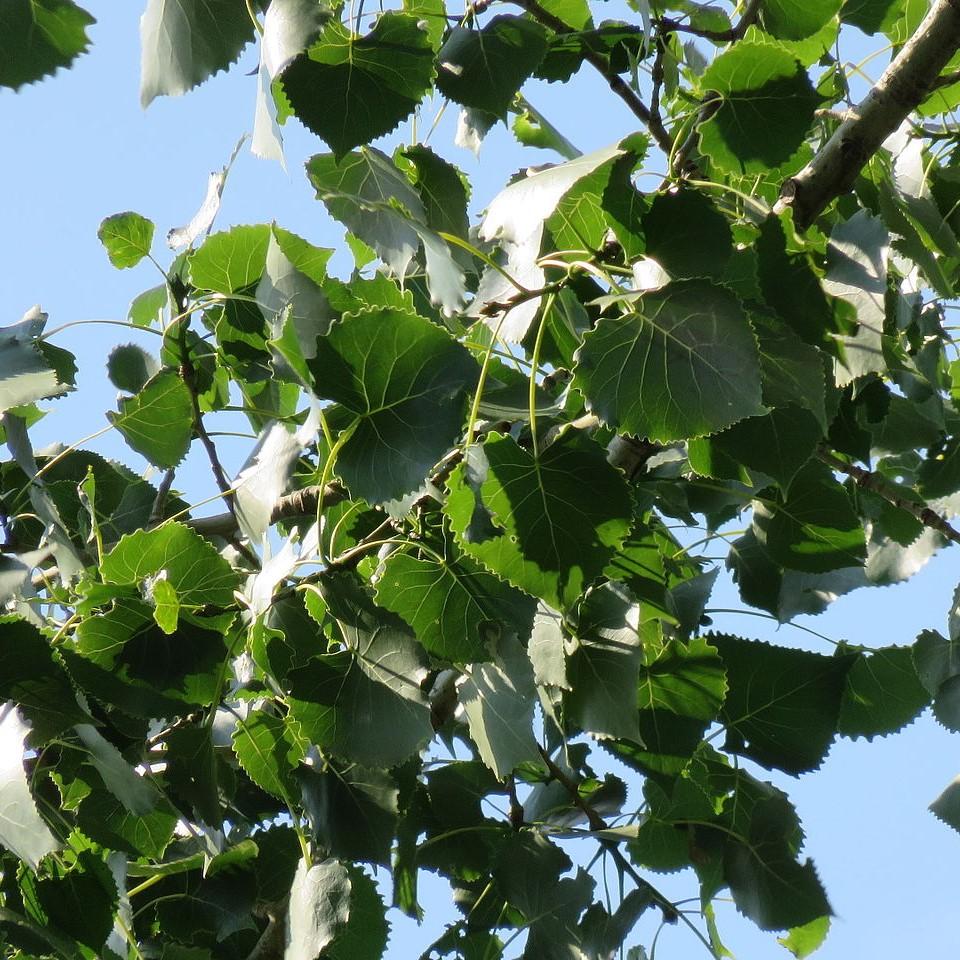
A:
x: 127, y: 238
x: 183, y: 42
x: 192, y: 566
x: 137, y: 794
x: 269, y: 752
x: 158, y: 421
x: 319, y: 908
x: 22, y: 831
x: 804, y: 941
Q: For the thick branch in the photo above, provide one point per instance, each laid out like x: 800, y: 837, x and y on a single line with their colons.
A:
x: 297, y: 504
x: 873, y: 481
x: 904, y: 85
x: 602, y: 65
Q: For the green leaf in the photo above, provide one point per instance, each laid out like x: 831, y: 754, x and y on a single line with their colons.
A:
x: 230, y: 260
x: 362, y: 191
x: 765, y: 110
x: 686, y: 679
x: 38, y: 37
x: 797, y: 19
x: 805, y: 940
x: 129, y: 367
x: 198, y: 574
x: 777, y: 444
x: 782, y: 705
x: 687, y: 235
x: 186, y: 41
x: 815, y: 528
x: 166, y: 605
x: 938, y: 666
x: 158, y: 421
x: 319, y: 908
x: 269, y: 752
x: 32, y: 677
x: 22, y: 830
x: 365, y: 937
x: 123, y: 658
x: 485, y: 68
x: 683, y: 365
x: 82, y: 902
x: 604, y: 669
x: 405, y: 380
x: 353, y: 811
x: 192, y: 771
x: 883, y: 693
x: 127, y: 238
x: 498, y: 700
x: 350, y: 90
x: 343, y: 710
x: 792, y: 372
x: 455, y: 606
x: 548, y: 525
x: 147, y: 308
x: 768, y: 884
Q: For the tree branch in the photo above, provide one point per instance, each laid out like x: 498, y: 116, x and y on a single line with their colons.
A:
x: 873, y: 481
x: 735, y: 33
x: 904, y: 85
x: 602, y: 65
x: 299, y: 503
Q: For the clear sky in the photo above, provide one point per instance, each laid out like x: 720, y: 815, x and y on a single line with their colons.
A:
x: 77, y: 148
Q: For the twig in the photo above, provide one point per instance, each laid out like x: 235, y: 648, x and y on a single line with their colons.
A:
x: 904, y: 85
x: 876, y: 483
x: 160, y: 501
x: 735, y: 33
x: 946, y: 80
x: 616, y: 83
x: 597, y: 824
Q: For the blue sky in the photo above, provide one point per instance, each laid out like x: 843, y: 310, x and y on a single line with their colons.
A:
x: 78, y: 147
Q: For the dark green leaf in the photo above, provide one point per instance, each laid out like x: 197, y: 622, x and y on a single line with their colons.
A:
x: 485, y: 68
x: 158, y: 421
x: 350, y: 90
x: 104, y: 819
x: 365, y: 936
x: 947, y: 806
x: 186, y: 41
x: 685, y: 364
x: 603, y: 670
x: 687, y: 235
x: 353, y: 811
x: 32, y: 677
x: 192, y: 772
x: 406, y: 381
x: 548, y: 525
x: 129, y: 367
x: 82, y: 902
x: 192, y: 566
x: 782, y: 705
x: 765, y: 110
x: 883, y: 693
x: 815, y: 528
x: 768, y: 884
x: 38, y: 37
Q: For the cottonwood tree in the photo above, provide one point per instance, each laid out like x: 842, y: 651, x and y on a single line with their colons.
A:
x: 454, y: 606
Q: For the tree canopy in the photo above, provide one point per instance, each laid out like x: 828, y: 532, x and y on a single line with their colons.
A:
x: 455, y: 610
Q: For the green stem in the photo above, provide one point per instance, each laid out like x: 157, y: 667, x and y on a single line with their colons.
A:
x: 327, y: 475
x: 535, y: 367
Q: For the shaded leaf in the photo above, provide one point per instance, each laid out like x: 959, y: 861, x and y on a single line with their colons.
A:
x: 406, y: 381
x: 782, y: 706
x: 269, y: 752
x: 548, y: 525
x: 129, y: 367
x: 685, y: 364
x: 350, y: 90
